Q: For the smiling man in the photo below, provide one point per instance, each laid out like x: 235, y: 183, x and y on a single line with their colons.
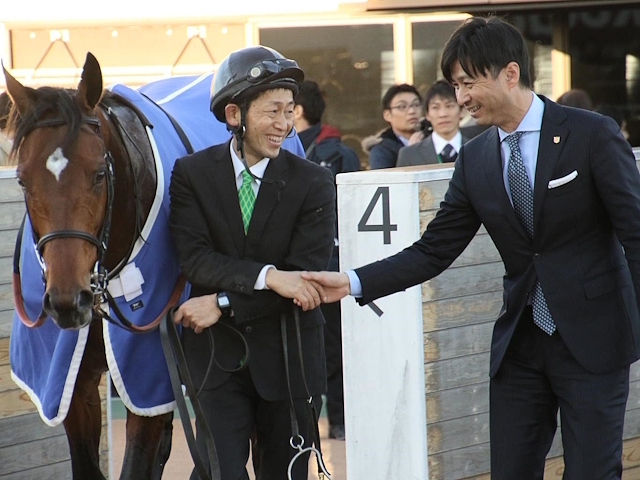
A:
x: 244, y: 215
x: 443, y: 145
x: 558, y: 191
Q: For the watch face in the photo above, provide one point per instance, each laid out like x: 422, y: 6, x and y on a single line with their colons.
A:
x: 223, y: 302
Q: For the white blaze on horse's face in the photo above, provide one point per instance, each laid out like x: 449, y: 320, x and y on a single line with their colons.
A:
x: 56, y: 163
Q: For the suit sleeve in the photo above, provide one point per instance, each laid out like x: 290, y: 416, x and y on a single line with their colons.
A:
x: 310, y: 248
x: 618, y: 182
x: 445, y: 238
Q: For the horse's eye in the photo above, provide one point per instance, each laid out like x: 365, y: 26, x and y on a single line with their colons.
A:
x: 21, y: 184
x: 100, y: 176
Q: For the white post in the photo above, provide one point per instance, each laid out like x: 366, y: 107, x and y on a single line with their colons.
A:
x: 385, y: 413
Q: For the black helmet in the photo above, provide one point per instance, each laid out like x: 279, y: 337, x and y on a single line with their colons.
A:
x: 251, y: 70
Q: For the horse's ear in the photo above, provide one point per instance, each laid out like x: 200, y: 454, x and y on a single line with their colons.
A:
x: 90, y: 87
x: 23, y: 97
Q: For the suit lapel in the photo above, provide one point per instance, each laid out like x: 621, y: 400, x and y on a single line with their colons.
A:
x: 493, y: 159
x: 268, y: 198
x: 225, y: 181
x: 553, y: 136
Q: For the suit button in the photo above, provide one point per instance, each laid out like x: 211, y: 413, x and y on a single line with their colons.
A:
x: 248, y: 329
x: 536, y: 256
x: 241, y: 288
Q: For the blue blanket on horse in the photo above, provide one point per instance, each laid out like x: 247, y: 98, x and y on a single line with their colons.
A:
x: 45, y: 361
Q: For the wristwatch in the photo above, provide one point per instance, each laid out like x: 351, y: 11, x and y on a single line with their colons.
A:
x: 222, y: 302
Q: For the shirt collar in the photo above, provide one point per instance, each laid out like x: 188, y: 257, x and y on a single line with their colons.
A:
x: 532, y: 121
x: 258, y: 169
x: 439, y: 143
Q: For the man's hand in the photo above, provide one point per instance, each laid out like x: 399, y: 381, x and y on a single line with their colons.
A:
x: 416, y: 137
x: 198, y: 313
x: 335, y: 285
x: 307, y: 295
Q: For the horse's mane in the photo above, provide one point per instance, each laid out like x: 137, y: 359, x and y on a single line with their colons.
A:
x: 50, y: 103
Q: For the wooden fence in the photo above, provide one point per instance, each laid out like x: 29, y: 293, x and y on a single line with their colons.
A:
x: 29, y: 448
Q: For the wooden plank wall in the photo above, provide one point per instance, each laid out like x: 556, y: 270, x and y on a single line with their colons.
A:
x: 28, y: 447
x: 459, y: 309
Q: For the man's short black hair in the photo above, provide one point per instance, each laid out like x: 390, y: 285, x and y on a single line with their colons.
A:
x: 484, y: 46
x: 311, y: 99
x: 395, y: 90
x: 442, y: 89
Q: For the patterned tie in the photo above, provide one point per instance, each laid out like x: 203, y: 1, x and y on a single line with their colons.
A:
x: 247, y: 199
x: 522, y: 197
x: 448, y: 154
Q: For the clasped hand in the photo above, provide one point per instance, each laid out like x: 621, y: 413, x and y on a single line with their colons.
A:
x: 309, y: 289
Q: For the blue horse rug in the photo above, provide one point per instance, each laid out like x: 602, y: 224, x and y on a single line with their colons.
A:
x: 45, y: 360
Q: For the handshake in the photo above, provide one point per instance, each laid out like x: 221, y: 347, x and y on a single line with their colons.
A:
x: 309, y: 289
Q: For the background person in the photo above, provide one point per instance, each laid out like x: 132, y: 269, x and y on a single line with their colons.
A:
x: 444, y: 114
x: 401, y: 109
x: 243, y: 215
x: 558, y: 191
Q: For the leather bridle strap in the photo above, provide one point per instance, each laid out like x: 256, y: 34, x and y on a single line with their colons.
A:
x: 179, y: 375
x: 18, y: 301
x: 68, y: 234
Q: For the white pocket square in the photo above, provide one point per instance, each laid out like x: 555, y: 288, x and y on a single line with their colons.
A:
x: 562, y: 180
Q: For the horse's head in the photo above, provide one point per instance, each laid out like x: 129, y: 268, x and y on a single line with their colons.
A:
x: 62, y: 167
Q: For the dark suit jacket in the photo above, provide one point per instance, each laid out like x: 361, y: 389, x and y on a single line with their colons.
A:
x: 591, y: 288
x: 292, y: 227
x: 423, y: 153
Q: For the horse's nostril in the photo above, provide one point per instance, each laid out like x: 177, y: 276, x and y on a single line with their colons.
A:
x: 85, y: 300
x: 46, y: 303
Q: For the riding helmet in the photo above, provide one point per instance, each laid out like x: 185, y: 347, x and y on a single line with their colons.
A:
x: 251, y: 70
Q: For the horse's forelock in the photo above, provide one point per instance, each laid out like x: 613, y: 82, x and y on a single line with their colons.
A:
x: 50, y: 103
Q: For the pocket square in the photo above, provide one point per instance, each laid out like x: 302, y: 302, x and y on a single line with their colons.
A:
x: 562, y: 180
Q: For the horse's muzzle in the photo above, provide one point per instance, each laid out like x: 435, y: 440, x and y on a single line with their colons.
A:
x: 70, y: 311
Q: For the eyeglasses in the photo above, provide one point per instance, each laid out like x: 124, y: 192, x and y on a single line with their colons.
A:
x: 403, y: 107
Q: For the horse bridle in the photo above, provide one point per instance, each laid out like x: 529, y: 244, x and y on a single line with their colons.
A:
x: 100, y: 274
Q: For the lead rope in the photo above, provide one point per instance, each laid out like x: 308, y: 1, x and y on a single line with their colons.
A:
x: 297, y: 440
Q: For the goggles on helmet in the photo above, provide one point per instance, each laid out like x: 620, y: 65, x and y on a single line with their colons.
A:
x: 266, y: 68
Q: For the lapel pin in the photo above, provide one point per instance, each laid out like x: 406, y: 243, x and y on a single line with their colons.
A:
x: 556, y: 140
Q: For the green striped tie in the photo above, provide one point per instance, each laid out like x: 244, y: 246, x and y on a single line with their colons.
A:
x: 247, y: 199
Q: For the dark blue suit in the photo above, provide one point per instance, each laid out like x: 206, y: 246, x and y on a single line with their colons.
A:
x: 591, y: 285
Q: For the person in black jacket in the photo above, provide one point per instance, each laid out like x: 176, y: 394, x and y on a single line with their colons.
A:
x: 402, y: 110
x: 558, y: 191
x: 323, y: 146
x: 240, y: 262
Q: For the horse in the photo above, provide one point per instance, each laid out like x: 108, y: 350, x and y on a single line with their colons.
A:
x: 70, y: 146
x: 95, y: 176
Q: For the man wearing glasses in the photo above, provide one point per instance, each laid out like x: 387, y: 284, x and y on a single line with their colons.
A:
x: 402, y: 110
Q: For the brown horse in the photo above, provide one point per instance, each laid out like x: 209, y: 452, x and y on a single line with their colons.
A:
x: 68, y: 148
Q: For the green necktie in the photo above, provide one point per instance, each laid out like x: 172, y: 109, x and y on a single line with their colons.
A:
x: 247, y: 199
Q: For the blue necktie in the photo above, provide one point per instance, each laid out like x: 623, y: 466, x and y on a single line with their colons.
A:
x: 522, y: 197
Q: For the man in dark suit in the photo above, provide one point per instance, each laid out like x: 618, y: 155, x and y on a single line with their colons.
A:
x: 558, y: 191
x: 244, y: 215
x: 443, y: 114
